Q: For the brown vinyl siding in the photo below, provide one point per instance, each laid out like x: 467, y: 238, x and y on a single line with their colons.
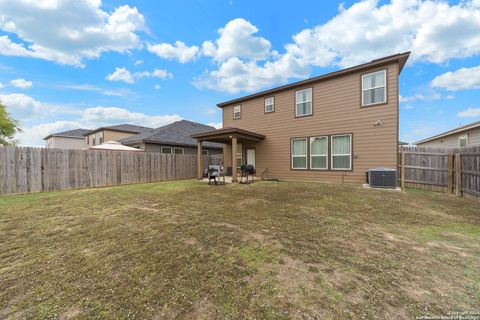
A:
x: 336, y: 110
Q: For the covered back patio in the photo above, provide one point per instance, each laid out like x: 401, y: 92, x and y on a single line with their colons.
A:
x: 230, y: 137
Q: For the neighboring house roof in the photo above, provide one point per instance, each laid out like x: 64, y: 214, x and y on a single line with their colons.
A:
x: 401, y: 58
x: 177, y: 133
x: 461, y: 129
x: 402, y: 143
x: 114, y: 146
x: 130, y: 128
x: 76, y: 133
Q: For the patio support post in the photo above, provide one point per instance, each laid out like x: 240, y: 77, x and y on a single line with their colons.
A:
x: 234, y: 159
x: 200, y: 158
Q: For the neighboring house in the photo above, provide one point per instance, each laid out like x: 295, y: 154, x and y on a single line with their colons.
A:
x: 112, y: 133
x: 464, y: 136
x: 332, y: 127
x: 174, y: 138
x: 402, y: 143
x: 71, y: 139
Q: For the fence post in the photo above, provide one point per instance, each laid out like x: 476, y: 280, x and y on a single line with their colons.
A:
x: 458, y: 175
x: 450, y: 173
x: 402, y: 172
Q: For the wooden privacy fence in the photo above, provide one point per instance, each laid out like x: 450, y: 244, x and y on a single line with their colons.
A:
x: 444, y: 170
x: 24, y: 170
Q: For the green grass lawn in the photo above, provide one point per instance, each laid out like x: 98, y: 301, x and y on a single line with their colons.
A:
x: 271, y: 250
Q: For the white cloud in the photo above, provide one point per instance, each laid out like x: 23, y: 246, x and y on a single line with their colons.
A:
x: 24, y: 107
x: 237, y: 40
x: 235, y: 76
x: 470, y: 113
x: 434, y: 31
x: 21, y: 83
x: 409, y: 107
x: 67, y: 32
x: 1, y: 85
x: 461, y: 79
x: 430, y: 95
x: 157, y: 87
x: 122, y: 74
x: 138, y: 62
x: 179, y: 51
x: 157, y: 73
x: 29, y: 110
x: 112, y: 115
x: 216, y: 125
x: 105, y: 92
x: 33, y: 136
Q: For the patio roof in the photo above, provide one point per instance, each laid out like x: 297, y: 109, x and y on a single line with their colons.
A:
x: 225, y: 135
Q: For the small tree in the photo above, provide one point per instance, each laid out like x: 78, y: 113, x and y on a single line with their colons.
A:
x: 8, y: 127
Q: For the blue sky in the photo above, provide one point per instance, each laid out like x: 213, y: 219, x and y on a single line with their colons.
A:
x: 67, y: 64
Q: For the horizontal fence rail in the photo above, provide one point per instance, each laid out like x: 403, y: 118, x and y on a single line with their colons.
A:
x: 25, y: 170
x: 444, y: 170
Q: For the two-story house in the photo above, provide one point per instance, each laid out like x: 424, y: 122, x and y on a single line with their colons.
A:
x: 332, y: 127
x: 112, y: 133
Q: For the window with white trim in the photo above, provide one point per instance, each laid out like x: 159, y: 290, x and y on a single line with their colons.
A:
x: 341, y: 152
x: 463, y: 141
x: 101, y: 137
x: 166, y: 150
x: 319, y: 153
x: 178, y: 150
x: 239, y: 154
x: 269, y: 104
x: 374, y: 88
x: 237, y: 112
x: 94, y: 142
x: 303, y: 102
x: 299, y: 153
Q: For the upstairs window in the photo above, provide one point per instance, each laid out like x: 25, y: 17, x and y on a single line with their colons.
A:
x: 178, y: 150
x: 463, y: 141
x: 94, y: 142
x: 269, y: 104
x: 319, y: 153
x: 237, y: 112
x: 299, y: 153
x: 303, y: 102
x: 342, y: 152
x: 101, y: 137
x: 374, y: 89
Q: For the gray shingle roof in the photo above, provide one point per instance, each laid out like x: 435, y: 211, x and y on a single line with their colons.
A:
x: 123, y: 127
x: 75, y: 133
x: 177, y: 133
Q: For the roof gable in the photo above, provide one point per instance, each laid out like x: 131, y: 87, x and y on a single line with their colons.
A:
x: 177, y: 133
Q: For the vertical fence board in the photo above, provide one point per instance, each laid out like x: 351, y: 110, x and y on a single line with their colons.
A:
x: 441, y: 170
x: 25, y: 169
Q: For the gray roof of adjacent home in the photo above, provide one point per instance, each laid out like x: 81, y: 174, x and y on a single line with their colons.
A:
x: 75, y: 133
x: 131, y: 128
x: 177, y: 133
x: 460, y: 129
